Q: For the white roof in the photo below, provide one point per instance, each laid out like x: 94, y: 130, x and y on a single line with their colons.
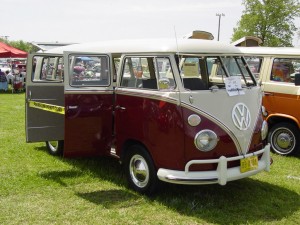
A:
x: 44, y: 46
x: 151, y: 46
x: 270, y: 51
x: 244, y: 39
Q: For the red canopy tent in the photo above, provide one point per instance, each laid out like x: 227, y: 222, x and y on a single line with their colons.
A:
x: 7, y: 51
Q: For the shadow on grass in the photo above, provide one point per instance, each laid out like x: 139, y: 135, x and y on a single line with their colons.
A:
x: 9, y: 91
x: 239, y: 202
x: 61, y: 176
x: 112, y: 199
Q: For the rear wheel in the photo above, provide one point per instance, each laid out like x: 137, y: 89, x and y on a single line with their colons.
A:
x: 284, y: 138
x: 140, y: 170
x: 55, y: 147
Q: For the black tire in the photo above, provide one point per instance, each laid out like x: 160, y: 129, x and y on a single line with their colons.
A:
x: 55, y: 147
x: 284, y: 138
x: 140, y: 171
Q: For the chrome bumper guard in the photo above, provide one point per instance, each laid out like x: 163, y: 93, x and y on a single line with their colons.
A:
x: 221, y: 176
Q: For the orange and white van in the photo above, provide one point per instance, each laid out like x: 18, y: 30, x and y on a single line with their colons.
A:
x: 278, y: 71
x: 150, y: 104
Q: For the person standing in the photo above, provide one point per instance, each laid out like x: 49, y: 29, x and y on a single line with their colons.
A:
x: 3, y: 81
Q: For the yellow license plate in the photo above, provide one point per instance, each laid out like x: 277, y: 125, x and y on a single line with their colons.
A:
x: 247, y: 164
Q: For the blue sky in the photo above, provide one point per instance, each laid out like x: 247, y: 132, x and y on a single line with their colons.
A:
x: 96, y: 20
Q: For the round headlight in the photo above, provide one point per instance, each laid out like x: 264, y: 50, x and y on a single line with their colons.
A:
x: 264, y: 130
x: 206, y: 140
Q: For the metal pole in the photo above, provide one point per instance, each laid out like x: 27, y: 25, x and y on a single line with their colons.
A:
x: 219, y: 25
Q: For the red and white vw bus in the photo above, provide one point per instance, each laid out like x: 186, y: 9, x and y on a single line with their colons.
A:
x: 150, y: 104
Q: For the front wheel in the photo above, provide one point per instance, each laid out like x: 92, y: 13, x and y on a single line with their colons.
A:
x: 140, y: 171
x: 55, y: 147
x: 284, y: 138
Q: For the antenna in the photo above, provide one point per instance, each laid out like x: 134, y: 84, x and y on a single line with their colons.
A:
x: 177, y: 48
x: 179, y: 62
x: 176, y: 39
x: 178, y: 66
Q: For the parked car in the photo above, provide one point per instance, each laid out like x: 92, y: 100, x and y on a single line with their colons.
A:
x: 5, y: 67
x: 278, y: 74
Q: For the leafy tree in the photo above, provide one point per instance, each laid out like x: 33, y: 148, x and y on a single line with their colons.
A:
x: 24, y: 46
x: 270, y: 20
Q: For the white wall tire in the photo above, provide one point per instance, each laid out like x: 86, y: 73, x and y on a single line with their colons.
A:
x: 140, y: 171
x: 284, y: 138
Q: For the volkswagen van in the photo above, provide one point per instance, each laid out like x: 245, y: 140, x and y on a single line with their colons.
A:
x: 150, y: 104
x: 278, y: 71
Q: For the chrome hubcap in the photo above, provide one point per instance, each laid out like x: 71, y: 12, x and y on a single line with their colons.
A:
x: 139, y: 171
x: 283, y: 140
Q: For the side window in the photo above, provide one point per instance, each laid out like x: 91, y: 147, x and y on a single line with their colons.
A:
x: 222, y: 66
x: 166, y: 79
x: 254, y: 64
x: 88, y: 70
x: 47, y: 69
x: 233, y: 66
x: 241, y: 68
x: 283, y: 70
x: 214, y: 67
x: 147, y: 73
x: 191, y: 67
x: 193, y: 73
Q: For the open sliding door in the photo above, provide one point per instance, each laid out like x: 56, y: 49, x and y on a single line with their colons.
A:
x: 44, y: 98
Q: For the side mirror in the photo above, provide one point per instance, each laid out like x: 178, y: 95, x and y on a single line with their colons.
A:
x: 297, y: 79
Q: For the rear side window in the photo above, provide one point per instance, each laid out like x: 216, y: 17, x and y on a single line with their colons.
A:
x: 47, y: 69
x: 284, y: 70
x: 89, y: 70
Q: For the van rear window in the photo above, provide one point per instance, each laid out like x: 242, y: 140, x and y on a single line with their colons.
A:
x: 47, y: 69
x: 89, y: 70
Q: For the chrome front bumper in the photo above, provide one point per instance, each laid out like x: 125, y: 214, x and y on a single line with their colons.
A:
x: 221, y: 176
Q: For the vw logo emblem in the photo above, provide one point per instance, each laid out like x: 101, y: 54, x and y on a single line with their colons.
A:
x: 241, y: 116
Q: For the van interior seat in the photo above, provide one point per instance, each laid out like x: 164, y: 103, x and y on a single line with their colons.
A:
x: 150, y: 84
x: 194, y: 84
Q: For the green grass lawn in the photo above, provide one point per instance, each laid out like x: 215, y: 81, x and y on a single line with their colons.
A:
x: 36, y: 188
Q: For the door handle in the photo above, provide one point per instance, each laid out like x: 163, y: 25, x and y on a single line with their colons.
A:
x: 191, y: 99
x: 268, y: 94
x: 120, y: 107
x: 72, y: 106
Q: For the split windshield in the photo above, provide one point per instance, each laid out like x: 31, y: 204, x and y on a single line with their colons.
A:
x: 203, y: 72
